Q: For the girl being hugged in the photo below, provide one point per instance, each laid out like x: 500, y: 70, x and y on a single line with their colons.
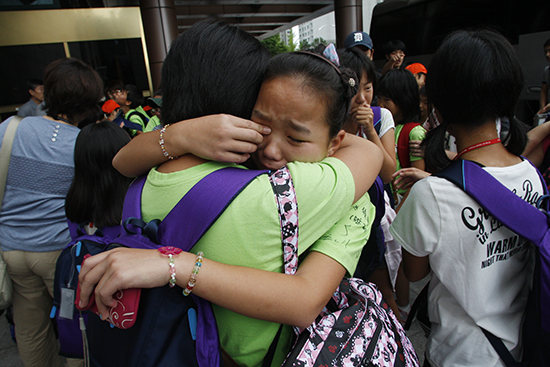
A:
x: 475, y: 78
x: 303, y: 100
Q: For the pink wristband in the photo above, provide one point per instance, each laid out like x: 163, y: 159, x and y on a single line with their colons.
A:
x: 170, y: 251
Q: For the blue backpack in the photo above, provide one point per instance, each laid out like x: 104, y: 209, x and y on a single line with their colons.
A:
x: 167, y: 323
x: 530, y: 223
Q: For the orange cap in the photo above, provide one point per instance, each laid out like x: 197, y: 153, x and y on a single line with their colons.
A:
x: 109, y: 106
x: 417, y: 68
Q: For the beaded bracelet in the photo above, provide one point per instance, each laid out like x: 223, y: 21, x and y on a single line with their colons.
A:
x: 170, y: 252
x: 161, y: 143
x: 193, y: 279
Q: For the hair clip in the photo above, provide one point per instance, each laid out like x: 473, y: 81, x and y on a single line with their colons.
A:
x: 352, y: 82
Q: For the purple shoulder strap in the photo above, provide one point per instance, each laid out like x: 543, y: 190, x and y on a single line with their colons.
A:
x: 212, y: 195
x: 376, y: 119
x: 525, y: 220
x: 132, y: 201
x: 184, y: 226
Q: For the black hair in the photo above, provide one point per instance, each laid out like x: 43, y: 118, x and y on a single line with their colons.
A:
x: 135, y: 95
x: 212, y: 68
x: 324, y: 79
x: 547, y: 43
x: 475, y: 77
x: 356, y: 60
x: 97, y: 192
x: 401, y: 87
x: 394, y: 45
x: 93, y: 117
x: 422, y: 91
x: 71, y: 88
x: 33, y: 83
x: 112, y: 86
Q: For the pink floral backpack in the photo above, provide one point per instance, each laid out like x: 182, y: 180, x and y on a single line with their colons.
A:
x: 356, y: 327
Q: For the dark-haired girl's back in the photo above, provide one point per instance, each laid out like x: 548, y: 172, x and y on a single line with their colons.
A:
x: 481, y: 271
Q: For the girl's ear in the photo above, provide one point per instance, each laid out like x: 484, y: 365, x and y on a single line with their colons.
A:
x: 335, y: 142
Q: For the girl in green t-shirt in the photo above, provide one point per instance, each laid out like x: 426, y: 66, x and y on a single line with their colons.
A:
x: 302, y: 103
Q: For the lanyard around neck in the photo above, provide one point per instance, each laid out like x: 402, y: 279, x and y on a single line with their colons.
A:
x: 476, y: 146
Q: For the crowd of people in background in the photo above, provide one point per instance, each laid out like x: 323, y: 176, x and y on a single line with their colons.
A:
x: 336, y: 124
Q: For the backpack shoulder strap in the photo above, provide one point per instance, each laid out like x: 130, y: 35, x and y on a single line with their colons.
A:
x: 132, y: 125
x: 140, y: 115
x: 283, y: 188
x: 5, y: 153
x: 184, y: 225
x: 192, y: 216
x: 501, y: 350
x: 497, y: 199
x: 403, y: 144
x: 132, y: 200
x: 377, y: 119
x: 376, y: 195
x: 525, y: 220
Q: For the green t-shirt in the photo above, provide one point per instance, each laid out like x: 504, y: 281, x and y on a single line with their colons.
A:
x: 248, y: 234
x: 136, y: 119
x: 154, y: 121
x: 417, y: 133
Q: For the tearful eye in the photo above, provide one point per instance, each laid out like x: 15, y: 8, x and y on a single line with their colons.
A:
x: 296, y: 140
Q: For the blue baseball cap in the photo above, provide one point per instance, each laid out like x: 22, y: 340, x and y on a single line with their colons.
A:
x: 358, y: 38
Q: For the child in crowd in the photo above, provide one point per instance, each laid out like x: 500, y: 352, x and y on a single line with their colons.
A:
x: 96, y: 195
x: 360, y: 120
x: 111, y: 109
x: 382, y: 271
x: 395, y: 55
x: 130, y: 100
x: 156, y: 104
x: 250, y: 295
x: 97, y: 192
x: 398, y: 92
x: 437, y: 225
x: 425, y: 109
x: 113, y: 88
x: 419, y: 71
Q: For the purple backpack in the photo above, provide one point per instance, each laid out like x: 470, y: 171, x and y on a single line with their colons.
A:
x: 356, y: 327
x: 167, y: 322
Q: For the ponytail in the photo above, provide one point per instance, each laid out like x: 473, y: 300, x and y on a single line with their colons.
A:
x: 435, y: 156
x: 517, y: 138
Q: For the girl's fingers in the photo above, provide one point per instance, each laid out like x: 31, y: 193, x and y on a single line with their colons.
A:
x: 91, y: 272
x: 251, y: 125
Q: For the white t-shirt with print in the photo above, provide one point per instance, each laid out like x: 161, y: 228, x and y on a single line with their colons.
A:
x: 481, y: 271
